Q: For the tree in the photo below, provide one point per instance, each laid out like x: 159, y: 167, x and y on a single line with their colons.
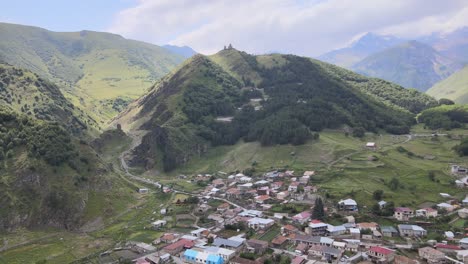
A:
x: 359, y: 132
x: 378, y: 195
x: 192, y: 200
x: 431, y: 175
x: 394, y: 184
x: 376, y: 209
x: 318, y: 212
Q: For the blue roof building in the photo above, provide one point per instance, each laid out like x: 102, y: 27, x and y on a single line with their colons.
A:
x: 193, y: 256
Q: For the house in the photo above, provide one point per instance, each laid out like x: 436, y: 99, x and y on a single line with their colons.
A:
x: 403, y: 213
x: 245, y: 179
x: 411, y: 231
x: 462, y: 255
x: 260, y: 223
x: 257, y: 246
x: 465, y: 201
x: 309, y: 173
x: 203, y: 208
x: 195, y: 256
x: 251, y: 213
x: 459, y: 184
x: 445, y: 206
x: 349, y: 205
x: 464, y: 243
x: 282, y: 195
x: 317, y: 228
x: 178, y: 246
x: 143, y: 247
x: 339, y: 245
x: 277, y: 185
x: 458, y: 170
x: 198, y: 232
x: 336, y: 230
x: 389, y: 231
x: 288, y: 229
x: 311, y: 189
x: 445, y: 195
x: 381, y: 254
x: 371, y: 226
x: 293, y: 186
x: 158, y: 224
x: 463, y: 213
x: 304, y: 179
x: 426, y: 212
x: 298, y: 260
x: 432, y: 256
x: 224, y: 253
x: 279, y: 241
x: 233, y: 193
x: 232, y: 244
x: 223, y: 207
x: 355, y: 233
x: 302, y: 218
x: 262, y: 199
x: 245, y: 187
x: 371, y: 145
x: 447, y: 248
x: 169, y: 238
x: 261, y: 183
x: 313, y: 240
x: 218, y: 183
x: 301, y: 248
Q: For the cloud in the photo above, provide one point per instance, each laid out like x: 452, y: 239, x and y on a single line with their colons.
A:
x: 295, y: 26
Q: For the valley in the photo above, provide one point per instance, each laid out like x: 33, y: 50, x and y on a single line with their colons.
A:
x: 118, y: 151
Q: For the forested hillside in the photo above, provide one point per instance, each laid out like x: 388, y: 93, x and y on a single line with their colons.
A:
x: 273, y: 99
x: 47, y: 176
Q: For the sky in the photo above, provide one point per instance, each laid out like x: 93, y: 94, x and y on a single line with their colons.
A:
x: 302, y: 27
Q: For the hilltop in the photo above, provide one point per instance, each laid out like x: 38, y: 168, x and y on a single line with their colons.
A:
x: 411, y: 65
x: 273, y: 99
x: 100, y: 72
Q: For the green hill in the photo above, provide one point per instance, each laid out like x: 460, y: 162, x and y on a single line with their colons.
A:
x: 411, y: 65
x: 273, y: 99
x: 455, y: 87
x: 25, y: 92
x: 100, y: 72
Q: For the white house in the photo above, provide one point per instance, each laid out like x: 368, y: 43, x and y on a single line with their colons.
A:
x: 158, y: 224
x: 348, y: 205
x: 260, y: 223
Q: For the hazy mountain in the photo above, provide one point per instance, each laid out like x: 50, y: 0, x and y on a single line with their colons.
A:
x: 366, y: 45
x: 453, y: 45
x: 183, y: 51
x: 411, y: 64
x: 186, y: 112
x: 97, y: 71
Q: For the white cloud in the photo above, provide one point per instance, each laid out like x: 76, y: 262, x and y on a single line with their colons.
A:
x: 300, y: 26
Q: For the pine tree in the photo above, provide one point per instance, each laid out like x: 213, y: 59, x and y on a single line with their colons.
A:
x: 318, y: 212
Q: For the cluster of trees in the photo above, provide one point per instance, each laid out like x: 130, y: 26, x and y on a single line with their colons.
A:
x: 445, y: 116
x: 43, y: 140
x: 462, y: 148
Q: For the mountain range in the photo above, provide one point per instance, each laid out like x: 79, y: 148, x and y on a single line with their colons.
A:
x: 418, y: 63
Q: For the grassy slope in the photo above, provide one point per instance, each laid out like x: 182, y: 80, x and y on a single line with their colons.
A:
x: 91, y: 67
x: 454, y: 87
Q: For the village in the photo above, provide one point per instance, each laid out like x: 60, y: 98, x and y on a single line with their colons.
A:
x: 281, y: 217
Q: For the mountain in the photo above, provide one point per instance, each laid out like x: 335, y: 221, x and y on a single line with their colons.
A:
x: 366, y: 45
x: 49, y: 175
x: 273, y: 99
x: 453, y: 44
x: 455, y: 87
x: 183, y: 51
x: 411, y: 65
x: 100, y: 72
